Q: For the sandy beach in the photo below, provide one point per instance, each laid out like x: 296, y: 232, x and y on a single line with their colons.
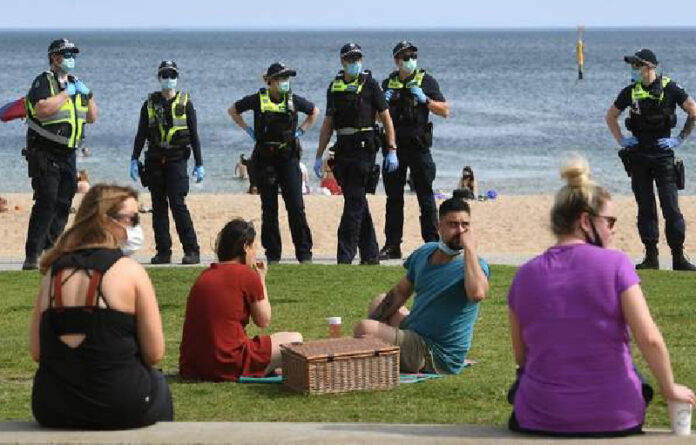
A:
x: 513, y: 225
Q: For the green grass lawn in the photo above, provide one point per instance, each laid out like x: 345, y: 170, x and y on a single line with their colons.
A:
x: 302, y: 296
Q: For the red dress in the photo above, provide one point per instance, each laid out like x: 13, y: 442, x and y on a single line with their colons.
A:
x: 214, y: 345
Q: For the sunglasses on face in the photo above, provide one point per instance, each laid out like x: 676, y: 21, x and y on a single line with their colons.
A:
x: 407, y: 57
x: 169, y: 75
x: 637, y: 65
x: 352, y: 58
x: 611, y: 220
x: 133, y: 219
x: 68, y: 54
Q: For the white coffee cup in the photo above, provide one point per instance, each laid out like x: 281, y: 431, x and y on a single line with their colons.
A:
x: 680, y: 416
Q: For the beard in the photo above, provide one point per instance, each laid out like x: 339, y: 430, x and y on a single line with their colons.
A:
x: 453, y: 243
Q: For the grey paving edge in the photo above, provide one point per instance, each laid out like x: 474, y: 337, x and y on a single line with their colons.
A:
x: 303, y: 433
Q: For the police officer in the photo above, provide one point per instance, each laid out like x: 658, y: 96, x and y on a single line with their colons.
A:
x: 168, y: 123
x: 411, y: 94
x: 354, y: 100
x: 58, y: 105
x: 276, y: 157
x: 652, y: 99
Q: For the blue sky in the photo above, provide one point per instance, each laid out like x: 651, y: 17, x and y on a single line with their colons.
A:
x: 322, y: 14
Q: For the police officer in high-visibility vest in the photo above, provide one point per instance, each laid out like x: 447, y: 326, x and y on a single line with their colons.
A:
x: 649, y: 157
x: 168, y: 123
x: 58, y: 105
x: 276, y: 157
x: 411, y: 94
x: 354, y: 101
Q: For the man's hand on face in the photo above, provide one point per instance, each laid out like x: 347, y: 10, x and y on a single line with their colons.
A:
x: 467, y: 239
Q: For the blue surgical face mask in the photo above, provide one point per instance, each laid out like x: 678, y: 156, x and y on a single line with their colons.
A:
x: 447, y: 249
x: 168, y: 84
x: 354, y: 68
x: 68, y: 64
x: 284, y: 86
x: 636, y: 75
x: 409, y: 66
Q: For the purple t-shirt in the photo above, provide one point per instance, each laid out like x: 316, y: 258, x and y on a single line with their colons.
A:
x: 578, y: 373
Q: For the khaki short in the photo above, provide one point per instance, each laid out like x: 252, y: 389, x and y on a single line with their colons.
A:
x: 415, y: 355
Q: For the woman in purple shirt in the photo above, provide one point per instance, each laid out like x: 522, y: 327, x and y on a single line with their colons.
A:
x: 572, y: 312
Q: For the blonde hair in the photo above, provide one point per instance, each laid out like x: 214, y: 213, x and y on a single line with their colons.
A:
x: 580, y: 194
x: 90, y: 228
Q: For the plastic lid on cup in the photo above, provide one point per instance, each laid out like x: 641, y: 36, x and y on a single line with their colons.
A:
x: 334, y: 320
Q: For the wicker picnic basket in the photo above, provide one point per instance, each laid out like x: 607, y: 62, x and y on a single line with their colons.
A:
x: 339, y: 365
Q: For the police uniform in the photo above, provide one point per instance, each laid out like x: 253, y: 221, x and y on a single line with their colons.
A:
x: 51, y: 147
x: 414, y: 136
x: 651, y: 117
x: 275, y: 162
x: 353, y: 107
x: 170, y: 128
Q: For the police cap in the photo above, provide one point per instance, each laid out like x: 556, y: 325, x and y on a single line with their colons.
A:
x: 167, y: 65
x: 403, y: 46
x: 60, y: 45
x: 351, y: 49
x: 644, y: 56
x: 278, y: 69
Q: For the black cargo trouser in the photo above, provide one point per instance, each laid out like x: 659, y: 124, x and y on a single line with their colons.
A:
x: 272, y: 173
x: 168, y: 182
x: 420, y: 162
x: 356, y: 230
x: 54, y: 181
x: 648, y: 167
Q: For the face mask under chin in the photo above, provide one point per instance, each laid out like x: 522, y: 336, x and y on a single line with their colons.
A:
x: 447, y: 250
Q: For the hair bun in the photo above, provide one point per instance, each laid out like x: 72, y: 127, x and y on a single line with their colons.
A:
x: 576, y: 172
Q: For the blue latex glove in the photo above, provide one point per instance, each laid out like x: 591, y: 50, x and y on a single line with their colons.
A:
x: 70, y: 88
x: 420, y: 95
x: 81, y: 88
x: 250, y: 132
x: 318, y: 164
x: 388, y: 94
x: 666, y: 143
x: 299, y: 133
x: 628, y: 141
x: 199, y: 173
x: 391, y: 162
x: 134, y: 170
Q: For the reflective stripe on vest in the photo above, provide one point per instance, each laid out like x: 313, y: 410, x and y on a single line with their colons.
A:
x: 73, y: 112
x: 354, y: 86
x: 396, y: 84
x: 268, y: 106
x: 179, y: 122
x: 639, y: 93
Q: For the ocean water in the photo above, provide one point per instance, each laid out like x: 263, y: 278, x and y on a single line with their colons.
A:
x: 517, y: 108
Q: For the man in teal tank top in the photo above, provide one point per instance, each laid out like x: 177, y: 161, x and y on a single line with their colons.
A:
x: 449, y: 280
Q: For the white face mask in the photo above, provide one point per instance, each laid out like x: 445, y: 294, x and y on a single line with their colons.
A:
x: 134, y: 240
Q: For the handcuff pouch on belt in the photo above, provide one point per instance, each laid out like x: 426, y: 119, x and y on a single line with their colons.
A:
x: 37, y: 162
x: 679, y: 173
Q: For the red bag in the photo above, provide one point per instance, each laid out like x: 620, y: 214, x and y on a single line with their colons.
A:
x: 13, y: 110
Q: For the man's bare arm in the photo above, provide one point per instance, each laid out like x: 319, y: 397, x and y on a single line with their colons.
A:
x: 690, y: 107
x: 395, y: 298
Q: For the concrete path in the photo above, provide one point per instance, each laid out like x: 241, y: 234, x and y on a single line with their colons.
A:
x: 305, y: 434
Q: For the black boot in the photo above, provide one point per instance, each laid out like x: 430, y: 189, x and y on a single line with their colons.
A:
x: 191, y: 258
x: 651, y: 260
x: 680, y: 262
x: 161, y: 258
x: 390, y: 253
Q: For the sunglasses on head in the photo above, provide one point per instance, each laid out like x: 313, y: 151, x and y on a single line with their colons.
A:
x: 169, y: 74
x: 133, y: 219
x: 407, y: 57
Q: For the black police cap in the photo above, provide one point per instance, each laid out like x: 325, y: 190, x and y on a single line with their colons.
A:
x: 60, y: 45
x: 167, y: 65
x: 278, y: 69
x: 350, y: 49
x: 403, y: 46
x: 644, y: 56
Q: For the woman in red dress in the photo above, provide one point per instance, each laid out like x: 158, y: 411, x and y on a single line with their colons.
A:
x: 214, y: 344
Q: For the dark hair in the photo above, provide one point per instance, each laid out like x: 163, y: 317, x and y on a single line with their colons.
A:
x: 454, y: 205
x: 467, y: 171
x: 232, y: 239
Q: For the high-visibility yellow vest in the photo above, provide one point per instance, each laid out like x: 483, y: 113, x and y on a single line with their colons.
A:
x: 73, y: 112
x: 176, y: 135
